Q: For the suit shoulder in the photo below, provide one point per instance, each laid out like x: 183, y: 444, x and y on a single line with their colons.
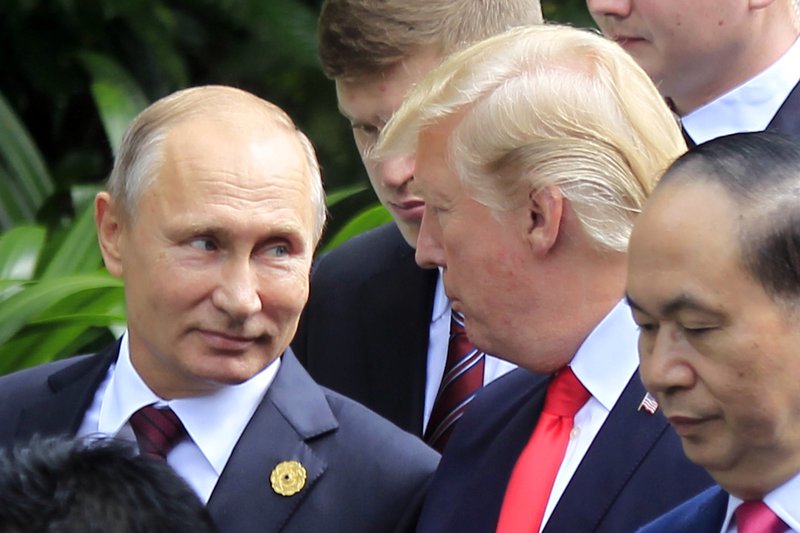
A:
x: 373, y: 250
x: 379, y: 439
x: 20, y: 384
x: 704, y: 512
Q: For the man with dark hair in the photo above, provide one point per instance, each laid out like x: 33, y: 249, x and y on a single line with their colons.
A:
x: 377, y: 327
x: 714, y: 284
x: 73, y: 485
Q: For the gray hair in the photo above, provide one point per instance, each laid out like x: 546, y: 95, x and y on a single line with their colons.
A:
x: 141, y: 152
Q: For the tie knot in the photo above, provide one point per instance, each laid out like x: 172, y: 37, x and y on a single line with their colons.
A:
x: 157, y: 431
x: 755, y: 517
x: 565, y: 394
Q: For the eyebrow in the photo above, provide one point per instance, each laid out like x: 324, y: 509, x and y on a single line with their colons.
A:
x: 683, y: 302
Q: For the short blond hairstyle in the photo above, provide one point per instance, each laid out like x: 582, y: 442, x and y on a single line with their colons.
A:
x: 141, y: 152
x: 362, y: 38
x: 548, y: 105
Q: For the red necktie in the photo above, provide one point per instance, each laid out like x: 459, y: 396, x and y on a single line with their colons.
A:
x: 157, y: 431
x: 463, y: 376
x: 533, y: 476
x: 756, y: 517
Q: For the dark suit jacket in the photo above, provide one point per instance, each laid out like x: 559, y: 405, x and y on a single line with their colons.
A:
x: 634, y: 471
x: 364, y: 474
x: 702, y: 514
x: 787, y: 119
x: 364, y: 332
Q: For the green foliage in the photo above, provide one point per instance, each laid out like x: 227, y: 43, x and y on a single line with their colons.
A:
x: 74, y: 74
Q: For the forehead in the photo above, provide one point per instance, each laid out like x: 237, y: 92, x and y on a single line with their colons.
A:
x: 687, y: 236
x: 380, y: 95
x: 239, y: 167
x: 432, y: 169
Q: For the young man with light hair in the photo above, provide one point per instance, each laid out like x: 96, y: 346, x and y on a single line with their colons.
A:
x: 727, y: 66
x: 535, y: 150
x: 377, y: 327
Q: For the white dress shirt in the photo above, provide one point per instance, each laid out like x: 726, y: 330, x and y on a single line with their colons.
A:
x: 438, y: 340
x: 604, y: 364
x: 214, y: 423
x: 784, y: 502
x: 750, y: 106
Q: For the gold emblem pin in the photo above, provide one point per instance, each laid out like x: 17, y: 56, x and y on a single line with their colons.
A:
x: 288, y: 478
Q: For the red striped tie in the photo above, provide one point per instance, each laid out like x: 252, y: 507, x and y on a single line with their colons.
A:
x: 157, y: 431
x: 463, y: 376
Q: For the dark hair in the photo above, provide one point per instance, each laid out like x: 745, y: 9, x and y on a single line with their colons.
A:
x: 761, y: 173
x: 60, y: 485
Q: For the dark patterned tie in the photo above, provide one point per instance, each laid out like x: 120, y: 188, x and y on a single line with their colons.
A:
x: 157, y: 431
x: 463, y: 376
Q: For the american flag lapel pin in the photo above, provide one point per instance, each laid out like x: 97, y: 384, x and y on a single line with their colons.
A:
x: 649, y: 404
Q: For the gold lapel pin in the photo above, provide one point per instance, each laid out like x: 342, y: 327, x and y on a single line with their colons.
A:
x: 288, y: 478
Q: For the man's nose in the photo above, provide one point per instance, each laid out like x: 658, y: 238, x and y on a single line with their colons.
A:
x: 237, y: 294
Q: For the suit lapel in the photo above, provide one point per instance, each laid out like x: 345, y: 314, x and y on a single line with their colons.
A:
x: 608, y: 465
x: 787, y: 119
x: 293, y: 410
x: 395, y: 318
x: 70, y: 391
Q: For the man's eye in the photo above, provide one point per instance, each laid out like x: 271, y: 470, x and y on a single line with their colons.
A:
x: 280, y: 250
x: 203, y: 243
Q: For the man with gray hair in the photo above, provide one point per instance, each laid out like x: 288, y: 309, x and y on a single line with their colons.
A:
x: 212, y: 213
x: 714, y: 284
x: 535, y: 150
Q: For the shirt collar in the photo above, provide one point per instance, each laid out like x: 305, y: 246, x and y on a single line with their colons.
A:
x: 782, y: 501
x: 609, y: 356
x: 214, y: 422
x: 750, y: 106
x: 441, y: 304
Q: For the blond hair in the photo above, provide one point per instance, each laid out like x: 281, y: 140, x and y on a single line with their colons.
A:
x: 548, y: 105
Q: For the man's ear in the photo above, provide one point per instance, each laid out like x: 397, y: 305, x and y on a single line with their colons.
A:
x: 545, y: 208
x: 108, y: 224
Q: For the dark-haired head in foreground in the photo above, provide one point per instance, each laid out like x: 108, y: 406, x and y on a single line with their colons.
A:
x: 70, y: 485
x: 714, y: 282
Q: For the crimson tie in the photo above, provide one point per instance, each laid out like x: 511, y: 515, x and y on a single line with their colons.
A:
x: 463, y: 376
x: 533, y: 476
x: 157, y: 431
x: 756, y: 517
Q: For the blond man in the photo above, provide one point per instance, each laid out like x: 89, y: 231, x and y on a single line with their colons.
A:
x: 535, y: 150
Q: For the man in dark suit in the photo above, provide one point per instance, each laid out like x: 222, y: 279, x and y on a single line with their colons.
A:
x: 714, y: 282
x: 535, y: 149
x: 726, y: 67
x: 212, y: 213
x: 376, y: 327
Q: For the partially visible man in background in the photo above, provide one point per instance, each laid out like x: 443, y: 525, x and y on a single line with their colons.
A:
x: 714, y: 283
x: 726, y: 66
x: 377, y: 327
x: 535, y: 151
